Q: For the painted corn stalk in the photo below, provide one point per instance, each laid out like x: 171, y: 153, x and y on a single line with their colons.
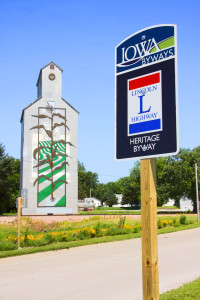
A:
x: 52, y: 155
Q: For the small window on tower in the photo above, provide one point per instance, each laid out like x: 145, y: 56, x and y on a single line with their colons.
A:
x: 52, y: 66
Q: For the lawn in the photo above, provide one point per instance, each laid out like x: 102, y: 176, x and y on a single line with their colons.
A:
x: 189, y: 291
x: 127, y: 210
x: 168, y: 207
x: 117, y: 211
x: 111, y: 211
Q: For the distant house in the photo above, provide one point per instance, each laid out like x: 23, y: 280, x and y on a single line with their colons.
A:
x: 119, y: 201
x: 170, y: 202
x: 96, y: 202
x: 88, y: 203
x: 185, y: 203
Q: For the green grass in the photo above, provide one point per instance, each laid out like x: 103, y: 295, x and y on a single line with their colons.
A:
x: 189, y: 291
x: 113, y: 212
x: 168, y: 207
x: 103, y: 208
x: 108, y: 208
x: 5, y: 230
x: 127, y: 211
x: 10, y: 214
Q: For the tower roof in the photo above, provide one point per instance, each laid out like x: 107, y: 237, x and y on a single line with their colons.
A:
x: 22, y: 115
x: 45, y: 67
x: 40, y: 97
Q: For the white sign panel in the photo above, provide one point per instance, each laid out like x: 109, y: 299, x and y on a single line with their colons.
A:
x: 145, y: 104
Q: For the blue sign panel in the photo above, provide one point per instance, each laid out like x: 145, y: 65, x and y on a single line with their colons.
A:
x: 146, y: 94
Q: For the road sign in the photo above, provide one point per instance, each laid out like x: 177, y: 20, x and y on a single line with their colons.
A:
x: 146, y: 94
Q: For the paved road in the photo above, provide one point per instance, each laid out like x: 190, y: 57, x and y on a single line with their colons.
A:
x: 109, y: 271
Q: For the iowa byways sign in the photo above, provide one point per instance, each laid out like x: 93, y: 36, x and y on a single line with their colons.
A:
x: 146, y: 94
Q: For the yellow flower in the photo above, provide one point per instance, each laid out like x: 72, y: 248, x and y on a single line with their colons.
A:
x: 30, y: 237
x: 164, y: 222
x: 128, y: 226
x: 11, y: 238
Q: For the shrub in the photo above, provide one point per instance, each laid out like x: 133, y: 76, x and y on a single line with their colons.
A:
x: 114, y: 231
x: 101, y: 230
x: 97, y: 228
x: 26, y: 234
x: 183, y: 220
x: 105, y: 226
x: 85, y: 233
x: 5, y: 245
x: 136, y: 229
x: 159, y: 224
x: 121, y: 222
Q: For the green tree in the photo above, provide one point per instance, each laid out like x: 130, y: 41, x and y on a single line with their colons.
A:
x: 86, y: 181
x: 131, y: 193
x: 177, y: 176
x: 14, y: 184
x: 110, y: 198
x: 162, y: 186
x: 81, y: 184
x: 100, y: 192
x: 9, y: 180
x: 81, y: 167
x: 122, y: 184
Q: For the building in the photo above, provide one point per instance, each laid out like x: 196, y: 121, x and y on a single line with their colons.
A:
x: 49, y: 145
x: 119, y: 201
x: 88, y: 203
x: 185, y: 204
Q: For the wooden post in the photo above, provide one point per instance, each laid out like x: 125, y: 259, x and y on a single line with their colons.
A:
x: 149, y: 230
x: 18, y: 220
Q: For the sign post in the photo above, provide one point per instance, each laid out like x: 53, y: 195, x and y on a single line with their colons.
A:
x: 149, y: 229
x: 146, y: 124
x: 19, y: 206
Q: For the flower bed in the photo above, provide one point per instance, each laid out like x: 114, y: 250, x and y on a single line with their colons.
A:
x: 101, y: 229
x: 30, y: 236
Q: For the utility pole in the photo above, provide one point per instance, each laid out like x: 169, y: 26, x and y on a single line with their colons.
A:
x: 197, y: 191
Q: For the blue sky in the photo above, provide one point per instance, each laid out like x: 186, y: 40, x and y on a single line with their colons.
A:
x: 80, y: 37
